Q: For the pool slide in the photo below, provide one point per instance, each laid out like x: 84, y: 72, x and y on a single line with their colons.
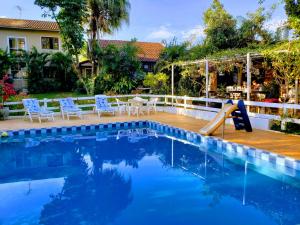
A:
x: 215, y: 123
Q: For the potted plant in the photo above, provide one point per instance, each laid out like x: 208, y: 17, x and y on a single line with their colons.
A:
x: 6, y: 90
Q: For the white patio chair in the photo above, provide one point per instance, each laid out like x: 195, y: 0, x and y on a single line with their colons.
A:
x: 151, y: 105
x: 122, y: 106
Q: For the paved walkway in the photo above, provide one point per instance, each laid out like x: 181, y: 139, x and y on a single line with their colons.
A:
x: 284, y: 144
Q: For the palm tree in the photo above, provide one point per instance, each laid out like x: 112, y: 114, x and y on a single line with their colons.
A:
x: 105, y: 16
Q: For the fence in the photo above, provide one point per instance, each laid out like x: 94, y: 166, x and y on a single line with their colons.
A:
x: 272, y: 111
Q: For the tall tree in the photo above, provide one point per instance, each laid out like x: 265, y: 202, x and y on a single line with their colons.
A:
x: 220, y: 27
x: 121, y: 70
x: 70, y: 16
x: 292, y: 8
x: 105, y: 16
x: 252, y: 29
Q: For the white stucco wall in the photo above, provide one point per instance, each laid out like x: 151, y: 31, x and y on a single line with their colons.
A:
x: 33, y: 38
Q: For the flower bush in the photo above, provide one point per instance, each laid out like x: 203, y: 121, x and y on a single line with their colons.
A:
x: 6, y: 90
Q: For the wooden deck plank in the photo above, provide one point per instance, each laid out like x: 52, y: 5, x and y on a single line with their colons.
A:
x: 288, y: 145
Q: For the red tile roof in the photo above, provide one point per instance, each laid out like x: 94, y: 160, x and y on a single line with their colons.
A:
x: 148, y: 51
x: 28, y: 24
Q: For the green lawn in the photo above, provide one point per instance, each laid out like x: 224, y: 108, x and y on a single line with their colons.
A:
x: 56, y: 95
x: 47, y: 95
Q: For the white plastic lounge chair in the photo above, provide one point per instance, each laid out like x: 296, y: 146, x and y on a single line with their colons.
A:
x: 33, y: 109
x: 68, y: 108
x: 102, y: 105
x: 151, y: 105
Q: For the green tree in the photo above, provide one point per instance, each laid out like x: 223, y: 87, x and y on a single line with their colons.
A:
x: 157, y: 82
x: 36, y: 62
x: 200, y: 51
x: 292, y: 8
x: 252, y: 31
x: 284, y: 61
x: 121, y: 70
x: 172, y: 52
x: 70, y: 16
x: 220, y: 27
x: 6, y: 61
x: 191, y: 82
x: 60, y: 67
x: 49, y: 72
x: 105, y: 16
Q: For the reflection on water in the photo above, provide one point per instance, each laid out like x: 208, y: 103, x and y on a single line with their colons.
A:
x: 137, y: 179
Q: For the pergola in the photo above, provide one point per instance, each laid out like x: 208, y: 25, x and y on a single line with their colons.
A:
x: 243, y: 58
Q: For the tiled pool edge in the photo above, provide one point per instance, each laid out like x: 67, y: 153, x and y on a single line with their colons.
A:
x: 238, y: 150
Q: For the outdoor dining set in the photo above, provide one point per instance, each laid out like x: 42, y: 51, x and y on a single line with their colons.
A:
x: 136, y: 106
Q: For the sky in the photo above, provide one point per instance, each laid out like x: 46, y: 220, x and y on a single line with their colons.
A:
x: 157, y: 20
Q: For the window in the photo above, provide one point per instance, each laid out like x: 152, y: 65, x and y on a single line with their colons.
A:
x: 16, y: 44
x: 50, y: 43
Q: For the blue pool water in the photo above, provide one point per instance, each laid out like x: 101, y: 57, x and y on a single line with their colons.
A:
x: 137, y: 178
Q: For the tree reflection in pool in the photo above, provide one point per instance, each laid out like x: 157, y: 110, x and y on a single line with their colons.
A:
x: 155, y: 180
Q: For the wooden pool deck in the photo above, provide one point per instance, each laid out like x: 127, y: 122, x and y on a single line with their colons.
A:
x: 288, y: 145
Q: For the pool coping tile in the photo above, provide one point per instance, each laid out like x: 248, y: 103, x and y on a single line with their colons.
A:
x: 233, y: 149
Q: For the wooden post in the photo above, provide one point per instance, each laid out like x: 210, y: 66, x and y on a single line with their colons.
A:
x: 206, y: 81
x: 248, y: 77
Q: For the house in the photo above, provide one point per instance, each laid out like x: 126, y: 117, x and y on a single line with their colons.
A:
x: 18, y: 34
x: 22, y: 35
x: 148, y: 54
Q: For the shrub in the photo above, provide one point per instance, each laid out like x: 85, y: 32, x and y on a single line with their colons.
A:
x: 80, y: 87
x: 157, y: 82
x: 291, y: 128
x: 50, y: 72
x: 189, y: 86
x: 121, y: 70
x: 103, y: 83
x: 6, y: 90
x: 6, y: 61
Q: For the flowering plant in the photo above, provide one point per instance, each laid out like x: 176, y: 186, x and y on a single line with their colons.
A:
x: 6, y: 90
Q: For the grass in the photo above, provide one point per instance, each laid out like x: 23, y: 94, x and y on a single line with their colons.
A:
x: 56, y: 95
x: 49, y: 95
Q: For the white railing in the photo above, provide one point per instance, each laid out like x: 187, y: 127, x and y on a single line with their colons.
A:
x: 196, y: 103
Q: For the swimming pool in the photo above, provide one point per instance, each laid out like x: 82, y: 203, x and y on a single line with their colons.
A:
x: 142, y: 173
